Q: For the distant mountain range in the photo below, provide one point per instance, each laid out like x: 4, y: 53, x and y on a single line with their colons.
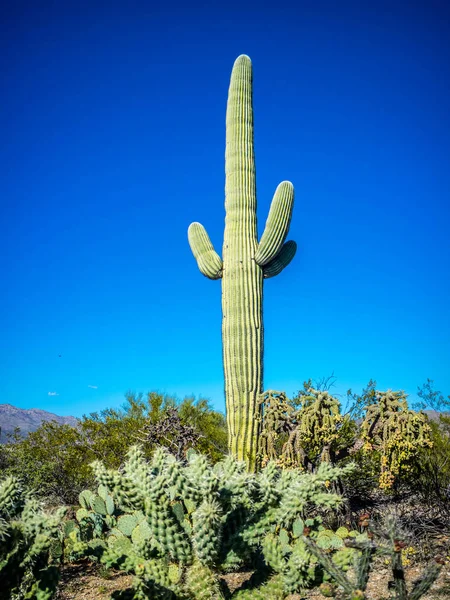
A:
x: 27, y: 419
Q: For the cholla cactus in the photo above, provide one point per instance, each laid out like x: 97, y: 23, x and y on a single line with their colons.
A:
x: 198, y: 521
x: 319, y: 422
x: 394, y: 431
x: 29, y: 540
x: 388, y: 544
x: 246, y: 263
x: 313, y: 432
x: 275, y: 417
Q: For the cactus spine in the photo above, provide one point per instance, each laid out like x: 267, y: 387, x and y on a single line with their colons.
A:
x: 245, y: 265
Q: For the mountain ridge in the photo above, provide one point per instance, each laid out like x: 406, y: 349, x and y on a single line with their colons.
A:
x: 28, y: 420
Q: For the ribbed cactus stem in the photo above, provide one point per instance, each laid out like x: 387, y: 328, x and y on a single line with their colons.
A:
x: 245, y: 265
x: 242, y: 282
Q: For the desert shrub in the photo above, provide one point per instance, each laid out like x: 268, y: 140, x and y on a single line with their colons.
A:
x: 54, y: 460
x: 430, y: 477
x: 191, y: 424
x: 212, y: 426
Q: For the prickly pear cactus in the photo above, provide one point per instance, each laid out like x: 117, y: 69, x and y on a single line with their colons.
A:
x: 29, y: 545
x: 191, y: 523
x: 245, y: 264
x: 102, y: 522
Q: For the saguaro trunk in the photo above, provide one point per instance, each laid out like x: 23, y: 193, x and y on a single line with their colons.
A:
x: 245, y: 265
x: 242, y: 279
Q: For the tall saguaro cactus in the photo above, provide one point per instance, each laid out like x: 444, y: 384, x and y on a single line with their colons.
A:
x: 246, y: 262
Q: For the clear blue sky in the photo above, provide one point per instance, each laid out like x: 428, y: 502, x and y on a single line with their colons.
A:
x: 113, y: 136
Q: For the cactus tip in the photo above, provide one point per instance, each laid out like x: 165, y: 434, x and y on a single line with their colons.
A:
x: 243, y: 58
x: 287, y: 184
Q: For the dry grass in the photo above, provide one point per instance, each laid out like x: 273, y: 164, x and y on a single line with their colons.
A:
x: 89, y: 581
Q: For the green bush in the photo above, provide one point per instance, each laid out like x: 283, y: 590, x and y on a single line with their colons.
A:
x: 430, y: 477
x: 54, y: 460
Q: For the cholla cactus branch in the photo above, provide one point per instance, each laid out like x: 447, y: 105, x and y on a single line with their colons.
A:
x: 425, y: 582
x: 339, y: 577
x: 29, y: 540
x: 196, y: 521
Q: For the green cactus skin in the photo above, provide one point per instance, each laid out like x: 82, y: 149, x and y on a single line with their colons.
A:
x: 120, y: 544
x: 206, y: 531
x: 126, y: 524
x: 82, y: 513
x: 99, y: 506
x: 245, y: 265
x: 85, y: 499
x: 327, y: 539
x: 203, y: 583
x: 232, y: 521
x: 30, y: 547
x: 273, y: 552
x: 141, y: 532
x: 272, y: 590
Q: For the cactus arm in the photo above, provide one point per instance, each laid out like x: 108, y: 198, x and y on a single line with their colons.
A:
x: 283, y: 258
x: 277, y: 224
x: 209, y: 262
